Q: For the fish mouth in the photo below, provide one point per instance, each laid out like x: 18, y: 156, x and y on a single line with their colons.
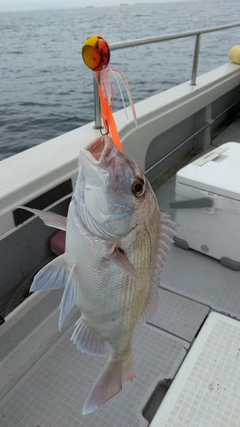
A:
x: 95, y: 148
x: 99, y: 150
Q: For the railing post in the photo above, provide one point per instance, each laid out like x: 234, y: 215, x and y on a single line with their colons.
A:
x: 195, y: 60
x: 97, y: 107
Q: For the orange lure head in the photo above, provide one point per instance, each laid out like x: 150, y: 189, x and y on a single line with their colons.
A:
x: 96, y: 53
x: 96, y: 56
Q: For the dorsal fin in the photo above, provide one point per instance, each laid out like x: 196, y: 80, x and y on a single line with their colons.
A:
x: 167, y: 231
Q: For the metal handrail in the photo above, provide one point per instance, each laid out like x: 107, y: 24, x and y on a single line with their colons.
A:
x: 149, y: 40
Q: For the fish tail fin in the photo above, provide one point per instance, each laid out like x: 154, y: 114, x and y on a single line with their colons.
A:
x: 109, y: 383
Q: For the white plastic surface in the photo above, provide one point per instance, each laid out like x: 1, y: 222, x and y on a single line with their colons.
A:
x: 206, y: 390
x: 214, y: 154
x: 220, y: 175
x: 214, y: 231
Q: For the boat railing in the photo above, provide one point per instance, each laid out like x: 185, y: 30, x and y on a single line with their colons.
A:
x: 149, y: 40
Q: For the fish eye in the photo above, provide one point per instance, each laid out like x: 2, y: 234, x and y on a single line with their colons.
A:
x: 138, y: 187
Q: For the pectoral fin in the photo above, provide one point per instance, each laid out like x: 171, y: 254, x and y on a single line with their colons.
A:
x: 118, y: 256
x: 49, y: 218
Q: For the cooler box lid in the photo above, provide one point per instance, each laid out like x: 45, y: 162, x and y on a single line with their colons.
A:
x: 218, y: 171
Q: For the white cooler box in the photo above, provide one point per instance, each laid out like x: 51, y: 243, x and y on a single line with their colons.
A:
x: 207, y: 204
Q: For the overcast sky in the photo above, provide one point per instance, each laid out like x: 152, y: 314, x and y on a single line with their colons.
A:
x: 18, y: 5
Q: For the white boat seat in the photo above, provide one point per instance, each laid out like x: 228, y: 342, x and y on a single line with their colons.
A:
x: 205, y: 391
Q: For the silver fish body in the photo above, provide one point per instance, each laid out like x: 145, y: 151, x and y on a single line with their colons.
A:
x: 116, y: 241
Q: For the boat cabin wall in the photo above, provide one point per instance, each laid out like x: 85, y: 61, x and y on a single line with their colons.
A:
x: 176, y: 146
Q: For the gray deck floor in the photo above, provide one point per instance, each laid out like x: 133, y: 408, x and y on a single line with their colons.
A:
x: 53, y: 392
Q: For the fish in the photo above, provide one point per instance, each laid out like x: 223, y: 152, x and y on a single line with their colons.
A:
x: 116, y: 243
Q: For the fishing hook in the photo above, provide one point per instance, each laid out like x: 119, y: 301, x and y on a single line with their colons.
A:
x: 107, y: 131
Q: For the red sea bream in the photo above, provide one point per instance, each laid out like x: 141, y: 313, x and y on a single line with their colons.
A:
x: 116, y: 241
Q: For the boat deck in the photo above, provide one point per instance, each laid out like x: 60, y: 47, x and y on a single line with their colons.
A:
x: 53, y: 391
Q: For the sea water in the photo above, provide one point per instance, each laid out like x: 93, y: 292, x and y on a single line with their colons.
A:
x: 45, y: 88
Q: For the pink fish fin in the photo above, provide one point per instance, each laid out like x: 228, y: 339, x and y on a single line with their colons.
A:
x: 118, y: 256
x: 151, y: 305
x: 49, y: 218
x: 167, y: 231
x: 109, y: 383
x: 167, y: 226
x: 69, y: 297
x: 87, y: 341
x: 54, y: 275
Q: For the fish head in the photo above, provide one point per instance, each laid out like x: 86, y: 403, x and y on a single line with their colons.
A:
x: 112, y: 193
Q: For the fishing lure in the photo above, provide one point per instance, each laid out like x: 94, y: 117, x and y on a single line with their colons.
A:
x: 96, y: 55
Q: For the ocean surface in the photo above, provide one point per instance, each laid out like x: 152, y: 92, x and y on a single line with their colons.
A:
x: 45, y: 88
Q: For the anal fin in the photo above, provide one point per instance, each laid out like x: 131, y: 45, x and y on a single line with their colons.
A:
x: 87, y: 341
